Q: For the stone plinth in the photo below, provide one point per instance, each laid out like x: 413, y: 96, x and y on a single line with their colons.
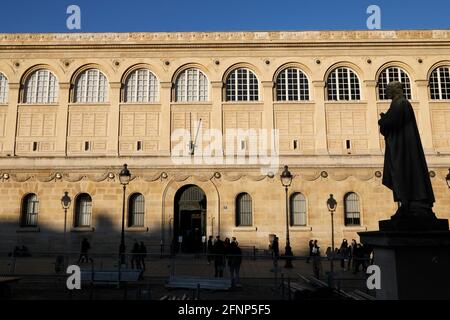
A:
x: 414, y: 264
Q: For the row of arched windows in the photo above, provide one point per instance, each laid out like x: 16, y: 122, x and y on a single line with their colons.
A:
x: 82, y: 210
x: 292, y: 84
x: 136, y: 210
x: 298, y: 210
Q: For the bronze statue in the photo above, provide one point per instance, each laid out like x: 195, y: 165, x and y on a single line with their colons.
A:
x: 405, y: 168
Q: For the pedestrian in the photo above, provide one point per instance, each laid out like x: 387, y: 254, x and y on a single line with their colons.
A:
x: 351, y: 260
x: 235, y: 259
x: 311, y: 246
x: 344, y: 254
x: 227, y: 244
x: 209, y: 249
x: 85, y: 247
x: 275, y: 247
x: 358, y: 258
x: 219, y: 259
x: 142, y: 254
x: 317, y: 260
x: 135, y: 263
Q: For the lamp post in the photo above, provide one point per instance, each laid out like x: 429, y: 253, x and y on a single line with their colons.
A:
x: 286, y: 180
x: 65, y: 203
x: 124, y: 178
x: 331, y: 205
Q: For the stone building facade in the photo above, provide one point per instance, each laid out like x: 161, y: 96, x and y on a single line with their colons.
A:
x: 75, y: 107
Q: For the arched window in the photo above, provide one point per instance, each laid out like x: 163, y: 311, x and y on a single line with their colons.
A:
x: 244, y: 210
x: 3, y: 88
x: 351, y: 209
x: 191, y: 85
x: 393, y: 74
x: 440, y: 83
x: 91, y: 86
x: 242, y: 85
x: 41, y: 87
x: 30, y: 209
x: 292, y: 85
x: 298, y: 209
x: 136, y: 210
x: 83, y: 210
x: 141, y: 86
x: 343, y: 84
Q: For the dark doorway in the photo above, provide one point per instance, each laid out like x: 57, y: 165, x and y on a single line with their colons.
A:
x: 189, y: 220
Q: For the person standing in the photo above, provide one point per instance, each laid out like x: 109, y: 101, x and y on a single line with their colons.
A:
x: 209, y: 249
x: 135, y: 260
x: 85, y: 247
x: 235, y: 259
x: 142, y: 254
x: 317, y: 262
x: 343, y: 252
x: 219, y: 259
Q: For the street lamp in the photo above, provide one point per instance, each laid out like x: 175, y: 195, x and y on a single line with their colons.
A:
x: 447, y: 178
x: 331, y: 205
x: 65, y: 203
x: 286, y: 180
x: 124, y: 178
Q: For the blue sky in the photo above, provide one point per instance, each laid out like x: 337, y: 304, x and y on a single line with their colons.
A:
x: 223, y: 15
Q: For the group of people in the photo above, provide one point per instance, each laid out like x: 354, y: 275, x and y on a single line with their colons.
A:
x: 225, y: 253
x: 351, y: 256
x: 138, y: 254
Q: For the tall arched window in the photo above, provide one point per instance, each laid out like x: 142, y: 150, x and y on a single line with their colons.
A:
x: 351, y: 209
x: 41, y: 87
x: 141, y: 86
x: 393, y: 74
x: 343, y: 84
x: 136, y: 210
x: 3, y: 88
x: 242, y: 85
x: 244, y: 210
x: 191, y: 85
x: 292, y: 85
x: 440, y: 83
x: 83, y: 210
x: 298, y: 209
x: 91, y: 86
x: 30, y: 209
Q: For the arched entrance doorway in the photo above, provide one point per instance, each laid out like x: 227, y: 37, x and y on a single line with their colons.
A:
x: 189, y: 219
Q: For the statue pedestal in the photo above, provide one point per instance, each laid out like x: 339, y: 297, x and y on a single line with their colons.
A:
x: 414, y: 264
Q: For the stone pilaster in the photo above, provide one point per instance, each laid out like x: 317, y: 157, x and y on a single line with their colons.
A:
x: 165, y: 119
x: 11, y: 119
x: 425, y: 116
x: 320, y: 118
x: 372, y: 117
x: 113, y: 119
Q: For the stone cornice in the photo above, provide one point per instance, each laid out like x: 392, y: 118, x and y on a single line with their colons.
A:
x: 222, y: 39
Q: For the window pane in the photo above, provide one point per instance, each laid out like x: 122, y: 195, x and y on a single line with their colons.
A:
x: 83, y: 211
x: 136, y: 211
x: 3, y: 89
x: 352, y: 213
x: 41, y: 87
x: 191, y: 85
x: 440, y: 83
x: 141, y: 86
x: 91, y: 87
x: 292, y: 85
x: 343, y: 84
x: 393, y: 74
x: 30, y: 208
x: 244, y: 210
x: 242, y: 85
x: 298, y: 210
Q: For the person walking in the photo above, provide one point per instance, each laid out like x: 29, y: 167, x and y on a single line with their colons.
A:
x: 85, y: 247
x: 219, y: 259
x: 344, y: 253
x: 317, y: 260
x: 235, y: 259
x: 135, y: 263
x: 209, y: 249
x: 142, y: 254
